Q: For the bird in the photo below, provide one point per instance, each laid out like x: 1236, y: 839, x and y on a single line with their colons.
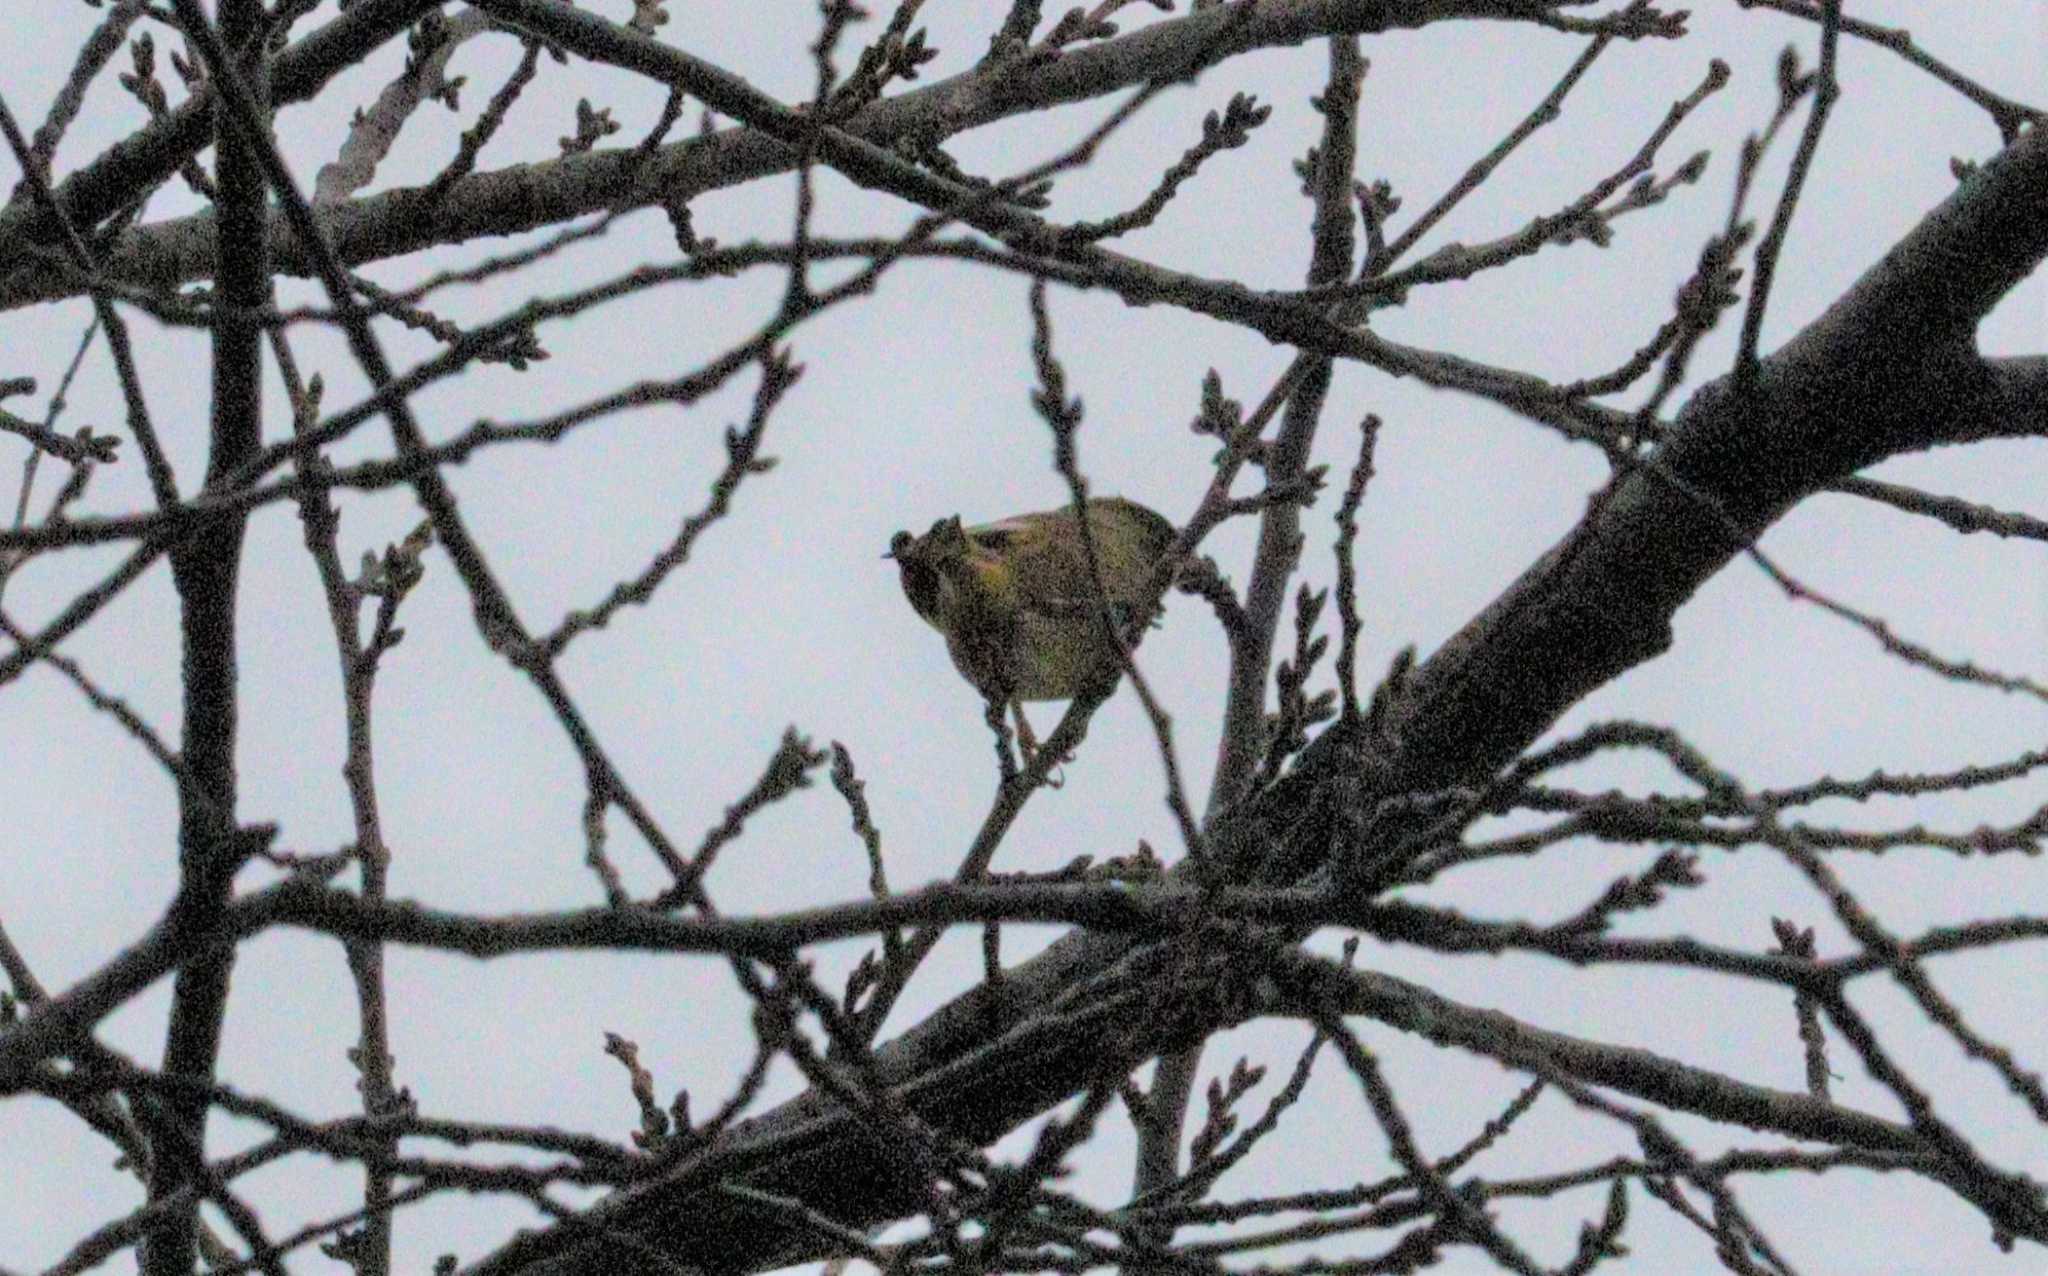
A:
x: 1015, y: 601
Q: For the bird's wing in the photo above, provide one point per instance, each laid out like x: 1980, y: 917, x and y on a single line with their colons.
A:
x: 1146, y: 530
x: 1130, y: 539
x: 1003, y: 532
x: 1049, y: 565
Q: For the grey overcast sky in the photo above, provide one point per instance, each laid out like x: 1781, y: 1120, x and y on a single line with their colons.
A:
x: 913, y: 406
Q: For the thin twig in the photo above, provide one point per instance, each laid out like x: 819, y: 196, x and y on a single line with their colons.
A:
x: 1825, y: 91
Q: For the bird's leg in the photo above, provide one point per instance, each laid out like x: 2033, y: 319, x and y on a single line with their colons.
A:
x: 1027, y: 742
x: 1006, y: 761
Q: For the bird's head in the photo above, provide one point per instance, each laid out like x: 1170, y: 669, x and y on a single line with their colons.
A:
x: 924, y: 562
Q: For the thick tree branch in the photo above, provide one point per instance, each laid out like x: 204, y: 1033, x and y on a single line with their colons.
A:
x: 1887, y: 369
x: 205, y: 568
x: 2017, y: 405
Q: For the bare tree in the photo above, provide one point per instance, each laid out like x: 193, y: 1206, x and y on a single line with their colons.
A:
x: 907, y: 1109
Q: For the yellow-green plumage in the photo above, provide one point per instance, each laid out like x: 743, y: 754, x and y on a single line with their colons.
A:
x: 1014, y: 599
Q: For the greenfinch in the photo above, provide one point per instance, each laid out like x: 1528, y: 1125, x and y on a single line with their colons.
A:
x: 1015, y: 601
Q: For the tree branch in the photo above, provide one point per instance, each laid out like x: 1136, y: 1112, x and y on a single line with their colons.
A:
x: 523, y: 197
x: 205, y: 568
x: 135, y: 165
